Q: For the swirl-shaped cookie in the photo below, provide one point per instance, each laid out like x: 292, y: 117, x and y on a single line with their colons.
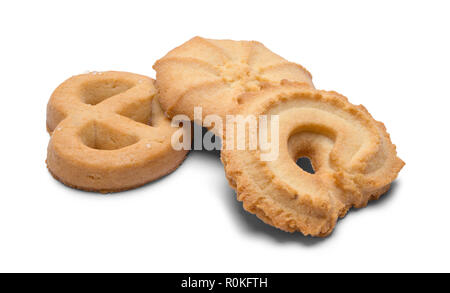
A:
x: 352, y: 155
x: 213, y: 74
x: 101, y: 135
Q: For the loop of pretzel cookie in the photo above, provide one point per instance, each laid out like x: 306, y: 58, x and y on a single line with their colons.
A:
x: 213, y: 74
x: 351, y: 153
x: 101, y: 139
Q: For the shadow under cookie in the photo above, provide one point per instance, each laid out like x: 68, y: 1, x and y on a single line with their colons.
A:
x: 251, y: 224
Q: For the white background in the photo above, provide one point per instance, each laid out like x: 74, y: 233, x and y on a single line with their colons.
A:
x: 392, y: 57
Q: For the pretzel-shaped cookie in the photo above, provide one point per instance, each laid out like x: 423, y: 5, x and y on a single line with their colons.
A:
x: 213, y: 74
x: 100, y: 137
x: 352, y: 155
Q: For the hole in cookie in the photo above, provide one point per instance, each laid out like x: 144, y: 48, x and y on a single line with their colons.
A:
x: 97, y: 91
x: 305, y: 164
x: 103, y: 137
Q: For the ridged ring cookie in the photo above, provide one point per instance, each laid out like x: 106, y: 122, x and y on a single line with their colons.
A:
x: 213, y: 74
x: 101, y: 139
x: 352, y: 155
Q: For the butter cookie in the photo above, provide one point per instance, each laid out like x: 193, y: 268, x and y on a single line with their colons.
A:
x: 213, y: 74
x: 352, y: 155
x: 108, y: 133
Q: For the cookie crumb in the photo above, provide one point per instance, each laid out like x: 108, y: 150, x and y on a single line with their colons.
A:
x: 95, y: 72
